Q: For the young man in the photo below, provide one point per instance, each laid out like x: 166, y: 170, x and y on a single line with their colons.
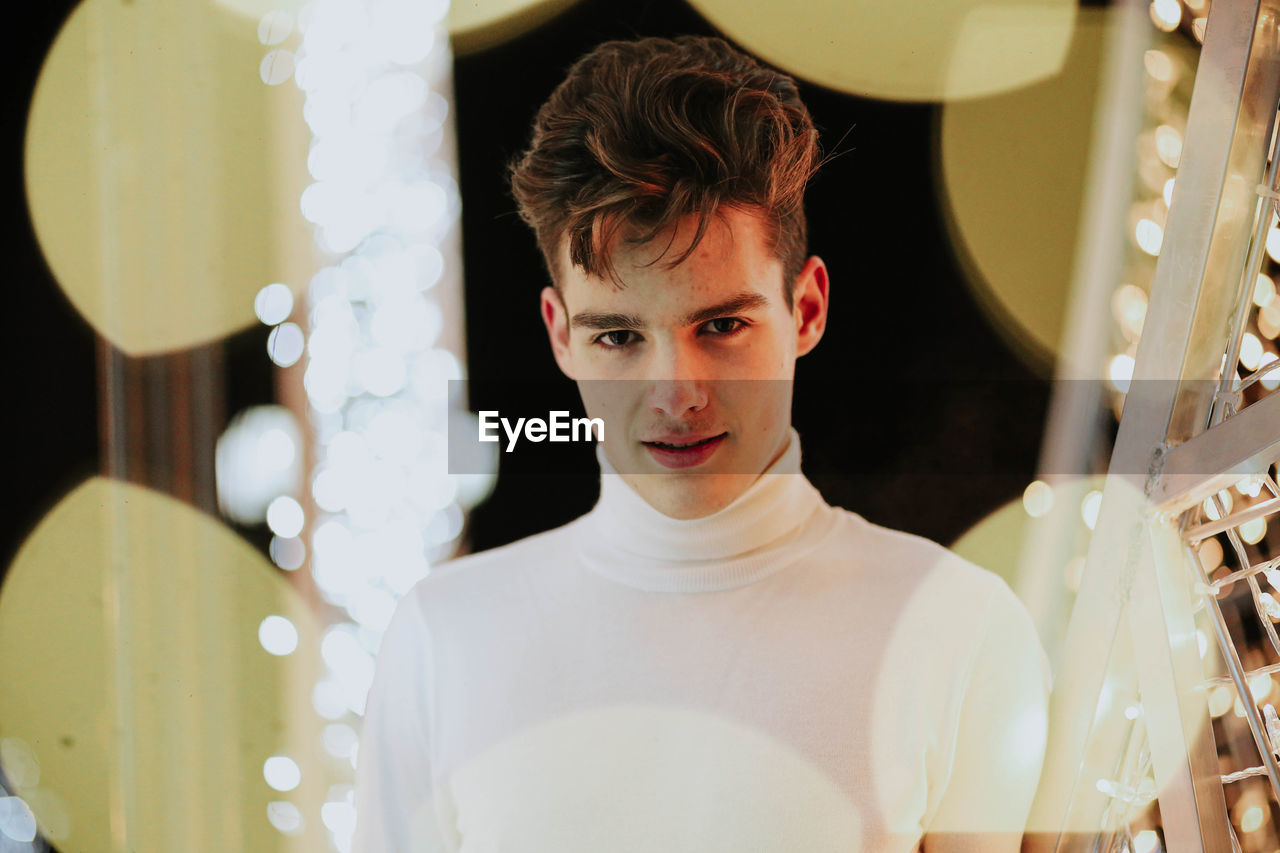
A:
x: 712, y: 659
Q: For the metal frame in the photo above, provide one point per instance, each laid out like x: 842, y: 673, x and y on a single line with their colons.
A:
x: 1136, y: 585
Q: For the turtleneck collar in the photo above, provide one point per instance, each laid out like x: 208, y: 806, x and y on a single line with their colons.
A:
x: 627, y: 540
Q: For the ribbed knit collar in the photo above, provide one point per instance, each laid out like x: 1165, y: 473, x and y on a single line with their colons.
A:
x: 627, y: 540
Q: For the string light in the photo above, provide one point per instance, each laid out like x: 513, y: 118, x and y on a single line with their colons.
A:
x: 1089, y: 508
x: 1146, y: 841
x: 1120, y: 372
x: 1037, y: 498
x: 1271, y: 380
x: 1158, y: 65
x: 384, y: 205
x: 278, y: 635
x: 1250, y: 351
x: 1273, y: 243
x: 1166, y: 14
x: 16, y: 820
x: 285, y: 817
x: 1252, y: 532
x: 1129, y: 306
x: 1264, y: 291
x: 1150, y: 236
x: 1220, y: 700
x: 1210, y: 554
x: 1168, y: 146
x: 281, y: 773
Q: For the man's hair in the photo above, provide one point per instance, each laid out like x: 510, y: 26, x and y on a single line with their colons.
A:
x: 643, y: 133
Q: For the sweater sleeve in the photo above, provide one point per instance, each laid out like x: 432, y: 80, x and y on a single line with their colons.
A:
x: 1000, y: 737
x: 395, y: 808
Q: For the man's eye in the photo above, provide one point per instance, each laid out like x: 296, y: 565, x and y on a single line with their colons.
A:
x: 725, y: 325
x: 616, y: 339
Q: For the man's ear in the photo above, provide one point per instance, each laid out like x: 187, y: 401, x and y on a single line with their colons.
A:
x: 810, y: 304
x: 556, y: 319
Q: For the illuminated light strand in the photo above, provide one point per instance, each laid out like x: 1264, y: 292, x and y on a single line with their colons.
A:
x: 1214, y: 527
x: 384, y: 206
x: 1215, y: 681
x: 1244, y: 681
x: 1267, y: 367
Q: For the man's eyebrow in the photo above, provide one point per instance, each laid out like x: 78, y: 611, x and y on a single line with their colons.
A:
x: 733, y: 305
x: 595, y: 320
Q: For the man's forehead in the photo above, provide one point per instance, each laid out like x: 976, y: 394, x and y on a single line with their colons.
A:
x: 731, y: 258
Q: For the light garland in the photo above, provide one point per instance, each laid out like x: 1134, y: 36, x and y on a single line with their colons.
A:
x: 383, y: 204
x: 379, y: 357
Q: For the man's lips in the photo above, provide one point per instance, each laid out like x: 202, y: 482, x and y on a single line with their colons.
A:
x: 684, y: 451
x: 679, y: 442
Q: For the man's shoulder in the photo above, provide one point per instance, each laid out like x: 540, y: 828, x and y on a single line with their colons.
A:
x: 939, y: 592
x: 490, y: 572
x: 907, y: 558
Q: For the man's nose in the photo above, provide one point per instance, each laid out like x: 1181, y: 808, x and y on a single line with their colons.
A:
x: 677, y: 382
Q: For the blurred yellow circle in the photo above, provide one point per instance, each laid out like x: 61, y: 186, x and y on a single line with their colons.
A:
x: 162, y: 175
x: 478, y: 24
x: 904, y: 50
x: 131, y: 631
x: 1013, y: 171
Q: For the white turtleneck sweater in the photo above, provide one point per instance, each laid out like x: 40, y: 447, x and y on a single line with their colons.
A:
x: 778, y: 676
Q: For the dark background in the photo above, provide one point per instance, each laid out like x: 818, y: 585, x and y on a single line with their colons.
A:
x: 913, y: 411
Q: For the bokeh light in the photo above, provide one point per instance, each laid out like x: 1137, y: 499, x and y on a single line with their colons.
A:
x: 1037, y: 498
x: 992, y: 154
x: 1271, y: 379
x: 278, y: 635
x: 1254, y: 531
x: 274, y: 27
x: 1120, y: 372
x: 16, y: 820
x: 210, y: 702
x: 1158, y: 65
x: 20, y: 765
x: 905, y: 50
x: 257, y: 458
x: 1168, y: 145
x: 1264, y: 291
x: 285, y: 517
x: 1210, y: 554
x: 1149, y: 235
x: 285, y: 816
x: 163, y: 249
x: 274, y: 303
x: 1250, y: 351
x: 285, y: 344
x: 287, y: 553
x: 1166, y: 14
x: 281, y: 772
x: 1089, y: 508
x: 276, y: 67
x: 1146, y: 841
x: 1220, y: 700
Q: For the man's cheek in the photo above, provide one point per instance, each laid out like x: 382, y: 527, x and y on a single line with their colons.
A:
x: 610, y: 401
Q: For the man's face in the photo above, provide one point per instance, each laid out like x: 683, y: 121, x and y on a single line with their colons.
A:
x: 689, y: 367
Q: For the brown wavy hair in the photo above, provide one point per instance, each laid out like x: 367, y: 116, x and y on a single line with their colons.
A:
x: 643, y: 133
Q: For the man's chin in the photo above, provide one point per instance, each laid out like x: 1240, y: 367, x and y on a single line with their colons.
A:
x: 690, y: 494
